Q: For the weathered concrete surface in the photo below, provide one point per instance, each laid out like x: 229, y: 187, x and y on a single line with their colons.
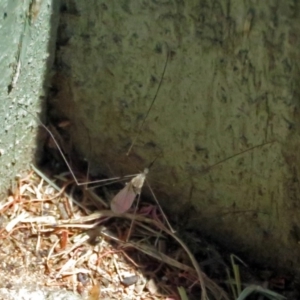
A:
x: 26, y: 55
x: 229, y: 99
x: 27, y: 35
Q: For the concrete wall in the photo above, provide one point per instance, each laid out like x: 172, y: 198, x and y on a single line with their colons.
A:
x: 27, y: 34
x: 225, y: 124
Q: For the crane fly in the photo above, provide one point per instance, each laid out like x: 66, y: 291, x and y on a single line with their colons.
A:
x: 124, y: 199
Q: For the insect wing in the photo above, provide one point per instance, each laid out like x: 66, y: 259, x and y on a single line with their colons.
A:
x: 138, y: 182
x: 123, y: 200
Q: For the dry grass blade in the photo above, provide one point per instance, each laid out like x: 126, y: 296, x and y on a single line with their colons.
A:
x: 203, y: 279
x: 74, y: 261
